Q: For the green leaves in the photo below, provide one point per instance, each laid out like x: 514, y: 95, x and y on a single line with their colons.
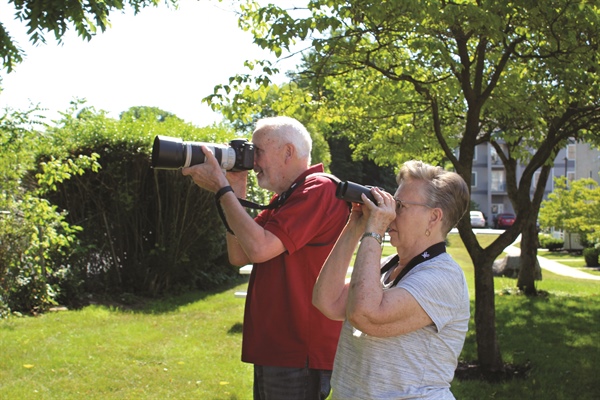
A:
x: 58, y: 171
x: 421, y: 79
x: 573, y: 207
x: 55, y: 16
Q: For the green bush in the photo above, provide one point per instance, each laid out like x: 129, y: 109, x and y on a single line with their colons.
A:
x: 34, y: 235
x: 34, y: 238
x: 145, y: 231
x: 551, y: 243
x: 82, y: 211
x: 590, y: 254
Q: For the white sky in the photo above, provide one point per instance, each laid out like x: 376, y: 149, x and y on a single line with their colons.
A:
x: 162, y: 57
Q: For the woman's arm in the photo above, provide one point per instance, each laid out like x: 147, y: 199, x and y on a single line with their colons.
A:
x: 371, y: 309
x: 330, y: 292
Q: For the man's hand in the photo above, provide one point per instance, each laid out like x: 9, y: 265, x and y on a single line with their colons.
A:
x: 238, y: 181
x: 209, y: 174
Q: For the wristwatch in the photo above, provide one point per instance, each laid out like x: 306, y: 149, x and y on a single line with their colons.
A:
x: 374, y: 235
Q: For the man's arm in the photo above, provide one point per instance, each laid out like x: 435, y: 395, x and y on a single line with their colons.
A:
x: 251, y: 242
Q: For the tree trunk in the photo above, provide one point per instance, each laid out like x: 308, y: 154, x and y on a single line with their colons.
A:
x: 529, y: 246
x: 529, y: 208
x: 488, y: 350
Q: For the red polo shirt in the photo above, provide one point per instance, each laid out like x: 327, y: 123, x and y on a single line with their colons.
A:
x: 281, y: 326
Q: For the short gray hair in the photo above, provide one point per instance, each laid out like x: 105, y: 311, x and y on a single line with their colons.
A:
x: 289, y: 130
x: 443, y: 189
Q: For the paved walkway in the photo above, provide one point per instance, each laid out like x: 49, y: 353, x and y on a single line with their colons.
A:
x: 555, y: 267
x: 549, y: 265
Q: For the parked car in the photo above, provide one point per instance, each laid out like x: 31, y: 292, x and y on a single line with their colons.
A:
x: 504, y: 220
x: 477, y: 219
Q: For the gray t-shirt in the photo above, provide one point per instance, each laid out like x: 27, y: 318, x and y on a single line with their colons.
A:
x: 418, y: 364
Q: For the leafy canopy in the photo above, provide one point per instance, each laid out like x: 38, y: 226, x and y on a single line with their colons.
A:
x: 426, y: 77
x: 57, y: 16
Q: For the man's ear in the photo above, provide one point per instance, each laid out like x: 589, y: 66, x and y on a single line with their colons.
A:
x: 289, y: 151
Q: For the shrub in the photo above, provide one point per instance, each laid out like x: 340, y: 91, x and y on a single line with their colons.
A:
x: 34, y: 238
x: 82, y: 211
x: 590, y: 254
x: 551, y: 243
x: 145, y: 231
x: 34, y: 234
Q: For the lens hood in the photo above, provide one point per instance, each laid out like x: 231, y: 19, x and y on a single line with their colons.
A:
x: 167, y: 153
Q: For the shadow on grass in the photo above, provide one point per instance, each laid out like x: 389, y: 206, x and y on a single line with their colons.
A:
x: 236, y: 328
x: 552, y: 339
x: 162, y: 304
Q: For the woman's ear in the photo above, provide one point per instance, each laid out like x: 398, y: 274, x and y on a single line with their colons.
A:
x: 436, y: 216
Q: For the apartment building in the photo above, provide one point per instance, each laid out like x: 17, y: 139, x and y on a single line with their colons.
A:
x: 488, y: 179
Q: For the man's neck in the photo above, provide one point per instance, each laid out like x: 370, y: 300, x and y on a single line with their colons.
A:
x: 292, y: 176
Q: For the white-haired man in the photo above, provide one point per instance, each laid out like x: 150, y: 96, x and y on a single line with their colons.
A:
x: 291, y: 344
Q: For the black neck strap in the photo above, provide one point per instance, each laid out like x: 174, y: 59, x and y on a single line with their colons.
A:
x: 276, y: 202
x: 431, y: 252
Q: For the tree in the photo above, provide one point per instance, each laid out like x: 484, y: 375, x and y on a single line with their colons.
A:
x: 434, y: 79
x: 55, y: 16
x: 574, y: 208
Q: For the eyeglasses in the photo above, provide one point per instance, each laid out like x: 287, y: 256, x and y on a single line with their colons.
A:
x: 401, y: 203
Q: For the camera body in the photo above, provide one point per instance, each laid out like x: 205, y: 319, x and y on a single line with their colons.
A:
x: 174, y: 153
x: 351, y: 192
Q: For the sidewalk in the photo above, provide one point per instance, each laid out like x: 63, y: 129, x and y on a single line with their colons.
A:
x: 555, y: 267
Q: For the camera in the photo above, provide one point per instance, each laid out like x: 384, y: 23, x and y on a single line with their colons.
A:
x: 174, y: 153
x: 351, y: 192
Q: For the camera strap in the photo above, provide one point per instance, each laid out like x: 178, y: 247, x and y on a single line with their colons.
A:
x: 278, y: 202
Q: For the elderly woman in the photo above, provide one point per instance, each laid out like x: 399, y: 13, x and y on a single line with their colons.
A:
x: 406, y: 318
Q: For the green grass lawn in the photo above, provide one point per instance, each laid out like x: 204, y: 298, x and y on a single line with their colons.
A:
x: 188, y: 347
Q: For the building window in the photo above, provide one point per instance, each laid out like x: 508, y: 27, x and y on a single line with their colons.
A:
x: 494, y: 155
x: 499, y: 181
x: 497, y: 208
x: 473, y: 179
x: 571, y: 153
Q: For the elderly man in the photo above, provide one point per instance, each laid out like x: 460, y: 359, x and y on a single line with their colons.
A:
x: 291, y: 344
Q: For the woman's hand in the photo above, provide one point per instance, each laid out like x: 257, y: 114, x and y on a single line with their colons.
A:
x: 380, y: 214
x: 357, y: 221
